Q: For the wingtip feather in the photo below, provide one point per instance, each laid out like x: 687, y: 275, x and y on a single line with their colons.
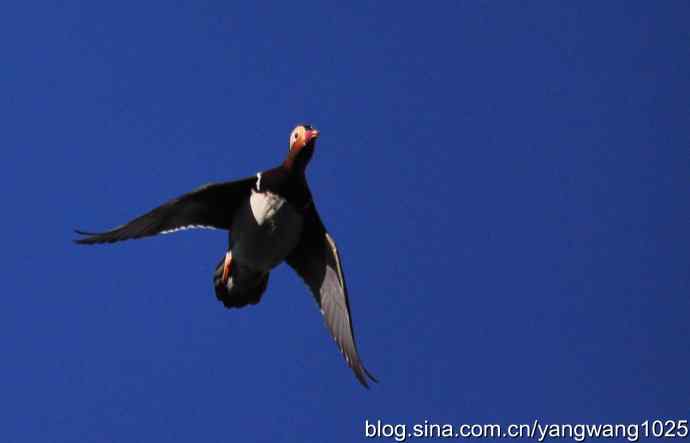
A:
x: 363, y: 375
x: 370, y: 375
x: 87, y: 240
x: 89, y: 233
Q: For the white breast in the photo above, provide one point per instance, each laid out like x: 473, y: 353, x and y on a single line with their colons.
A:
x: 265, y: 231
x: 265, y: 206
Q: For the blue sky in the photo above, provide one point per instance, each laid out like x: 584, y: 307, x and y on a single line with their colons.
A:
x: 507, y: 183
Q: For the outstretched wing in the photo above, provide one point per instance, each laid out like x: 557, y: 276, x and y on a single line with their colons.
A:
x: 317, y: 261
x: 211, y: 206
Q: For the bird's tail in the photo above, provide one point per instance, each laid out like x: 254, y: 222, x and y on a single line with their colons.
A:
x: 239, y: 292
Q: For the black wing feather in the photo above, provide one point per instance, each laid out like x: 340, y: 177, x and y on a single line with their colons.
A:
x: 317, y: 261
x: 210, y: 206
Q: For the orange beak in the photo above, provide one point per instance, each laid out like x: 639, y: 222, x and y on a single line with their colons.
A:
x: 312, y: 134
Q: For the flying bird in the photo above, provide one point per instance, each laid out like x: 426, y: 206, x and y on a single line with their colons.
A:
x: 271, y: 218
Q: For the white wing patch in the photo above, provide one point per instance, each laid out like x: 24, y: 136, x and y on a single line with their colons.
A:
x: 184, y: 228
x: 258, y: 181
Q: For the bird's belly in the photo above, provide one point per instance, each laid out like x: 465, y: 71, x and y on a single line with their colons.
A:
x: 265, y: 231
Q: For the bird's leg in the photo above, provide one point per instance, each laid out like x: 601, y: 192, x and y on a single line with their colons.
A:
x: 227, y: 267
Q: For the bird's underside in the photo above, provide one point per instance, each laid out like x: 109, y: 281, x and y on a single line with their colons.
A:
x: 266, y: 229
x: 271, y: 219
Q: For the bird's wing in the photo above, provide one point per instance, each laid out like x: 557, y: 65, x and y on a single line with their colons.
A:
x: 317, y: 261
x: 211, y: 206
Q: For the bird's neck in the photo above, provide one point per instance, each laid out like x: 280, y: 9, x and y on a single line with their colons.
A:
x: 296, y: 162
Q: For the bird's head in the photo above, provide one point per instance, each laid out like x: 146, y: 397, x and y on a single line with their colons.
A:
x: 301, y: 146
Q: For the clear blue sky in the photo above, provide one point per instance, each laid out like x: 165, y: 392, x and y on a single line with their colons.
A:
x: 508, y: 183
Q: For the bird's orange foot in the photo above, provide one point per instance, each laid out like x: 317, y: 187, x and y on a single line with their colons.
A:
x: 227, y: 267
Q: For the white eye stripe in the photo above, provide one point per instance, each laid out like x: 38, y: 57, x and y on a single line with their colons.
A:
x: 295, y: 135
